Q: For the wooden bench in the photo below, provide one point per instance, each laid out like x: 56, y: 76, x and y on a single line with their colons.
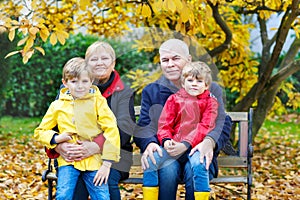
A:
x: 242, y: 161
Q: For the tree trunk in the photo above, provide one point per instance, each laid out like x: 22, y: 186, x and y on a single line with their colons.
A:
x: 265, y: 89
x: 265, y: 103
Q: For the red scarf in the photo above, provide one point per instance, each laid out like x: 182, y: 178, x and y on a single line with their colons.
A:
x: 116, y: 85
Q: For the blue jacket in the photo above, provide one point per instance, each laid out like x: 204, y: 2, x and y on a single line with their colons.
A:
x: 154, y: 97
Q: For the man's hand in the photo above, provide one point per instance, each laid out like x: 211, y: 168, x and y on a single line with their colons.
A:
x: 76, y: 152
x: 152, y: 147
x: 206, y: 149
x: 175, y: 148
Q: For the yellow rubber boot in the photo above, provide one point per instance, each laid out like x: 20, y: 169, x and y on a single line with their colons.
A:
x: 201, y: 195
x: 150, y: 193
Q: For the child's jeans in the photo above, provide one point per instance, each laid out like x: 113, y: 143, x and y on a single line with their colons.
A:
x: 200, y: 174
x: 67, y: 180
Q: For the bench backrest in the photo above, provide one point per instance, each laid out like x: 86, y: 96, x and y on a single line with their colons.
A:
x: 243, y: 121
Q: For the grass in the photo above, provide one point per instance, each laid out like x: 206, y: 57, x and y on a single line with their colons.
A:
x: 277, y: 126
x: 17, y: 127
x: 280, y: 127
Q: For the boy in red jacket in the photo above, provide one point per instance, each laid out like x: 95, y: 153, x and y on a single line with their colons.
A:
x: 187, y: 117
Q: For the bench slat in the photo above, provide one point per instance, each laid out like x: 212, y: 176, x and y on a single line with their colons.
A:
x: 221, y: 179
x: 223, y: 161
x: 137, y: 110
x: 232, y: 161
x: 238, y: 116
x: 243, y: 134
x: 235, y: 116
x: 51, y: 176
x: 132, y: 180
x: 136, y: 158
x: 230, y: 179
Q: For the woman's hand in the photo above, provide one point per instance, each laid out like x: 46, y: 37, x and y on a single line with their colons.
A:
x: 102, y: 174
x: 88, y: 148
x: 76, y: 152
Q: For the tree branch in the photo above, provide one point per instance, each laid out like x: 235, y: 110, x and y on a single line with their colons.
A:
x: 266, y: 44
x: 259, y: 87
x: 281, y: 37
x: 285, y: 72
x: 263, y: 30
x: 259, y: 7
x: 224, y: 27
x: 292, y: 53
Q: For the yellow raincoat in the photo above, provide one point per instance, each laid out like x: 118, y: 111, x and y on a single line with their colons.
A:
x: 86, y: 117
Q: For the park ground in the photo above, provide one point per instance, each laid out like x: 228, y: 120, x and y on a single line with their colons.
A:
x: 276, y: 163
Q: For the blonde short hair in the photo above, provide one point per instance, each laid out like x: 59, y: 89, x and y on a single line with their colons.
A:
x: 98, y: 45
x: 74, y: 68
x: 199, y: 70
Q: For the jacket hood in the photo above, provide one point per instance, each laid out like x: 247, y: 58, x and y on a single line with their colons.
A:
x: 66, y: 95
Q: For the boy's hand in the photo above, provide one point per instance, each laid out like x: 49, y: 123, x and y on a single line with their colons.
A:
x: 64, y: 137
x: 176, y: 148
x: 102, y: 174
x: 167, y: 144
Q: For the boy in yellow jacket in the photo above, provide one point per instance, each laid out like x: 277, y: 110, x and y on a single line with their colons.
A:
x: 81, y: 113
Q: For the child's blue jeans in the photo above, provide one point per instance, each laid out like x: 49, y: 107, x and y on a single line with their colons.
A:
x: 67, y: 180
x: 200, y: 174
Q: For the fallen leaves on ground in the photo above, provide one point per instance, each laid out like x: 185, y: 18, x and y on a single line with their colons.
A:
x: 276, y: 173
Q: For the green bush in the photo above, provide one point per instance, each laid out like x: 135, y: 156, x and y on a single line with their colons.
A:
x: 33, y: 86
x: 6, y: 46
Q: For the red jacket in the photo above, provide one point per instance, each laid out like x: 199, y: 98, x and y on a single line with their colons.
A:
x: 186, y: 118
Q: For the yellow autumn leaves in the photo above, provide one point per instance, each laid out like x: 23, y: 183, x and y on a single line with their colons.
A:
x: 144, y: 10
x: 53, y: 21
x: 169, y: 7
x: 30, y: 31
x: 37, y: 21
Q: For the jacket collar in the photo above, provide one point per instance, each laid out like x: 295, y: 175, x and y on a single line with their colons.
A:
x: 163, y: 81
x: 184, y: 94
x: 115, y: 86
